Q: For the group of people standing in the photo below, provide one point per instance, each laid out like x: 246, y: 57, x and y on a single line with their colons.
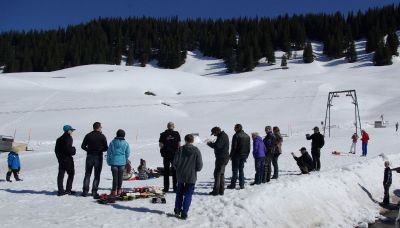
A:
x: 182, y: 162
x: 94, y: 143
x: 364, y: 139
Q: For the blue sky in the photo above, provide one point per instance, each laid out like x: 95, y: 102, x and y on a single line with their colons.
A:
x: 45, y: 14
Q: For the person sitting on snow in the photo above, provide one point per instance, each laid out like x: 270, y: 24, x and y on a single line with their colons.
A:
x: 304, y: 162
x: 14, y: 165
x: 143, y: 170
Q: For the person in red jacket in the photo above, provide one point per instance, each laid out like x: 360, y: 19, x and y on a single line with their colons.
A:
x: 364, y: 140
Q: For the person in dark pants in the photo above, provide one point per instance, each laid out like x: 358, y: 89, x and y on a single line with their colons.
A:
x: 259, y: 157
x: 240, y: 151
x: 387, y: 181
x: 64, y: 152
x: 397, y: 126
x: 187, y: 162
x: 268, y: 140
x: 221, y: 151
x: 304, y: 162
x: 277, y: 150
x: 169, y: 143
x: 117, y: 157
x: 94, y: 143
x: 14, y: 165
x: 317, y: 142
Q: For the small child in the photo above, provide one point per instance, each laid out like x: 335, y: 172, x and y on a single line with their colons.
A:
x: 387, y: 181
x: 143, y: 171
x: 14, y: 165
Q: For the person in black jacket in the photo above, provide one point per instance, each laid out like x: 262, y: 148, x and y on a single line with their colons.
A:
x: 64, y: 152
x: 304, y: 162
x: 221, y: 151
x: 94, y: 143
x: 169, y: 143
x: 387, y: 181
x: 317, y: 142
x: 240, y: 151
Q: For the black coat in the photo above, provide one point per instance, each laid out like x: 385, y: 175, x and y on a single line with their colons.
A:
x: 240, y: 145
x: 305, y: 160
x: 170, y: 139
x: 387, y: 178
x: 64, y: 148
x: 95, y: 143
x: 221, y: 147
x: 317, y: 141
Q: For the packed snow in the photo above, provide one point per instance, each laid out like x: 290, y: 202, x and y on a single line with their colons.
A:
x: 198, y: 96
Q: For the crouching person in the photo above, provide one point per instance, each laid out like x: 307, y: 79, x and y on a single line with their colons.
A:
x: 187, y: 163
x: 305, y: 161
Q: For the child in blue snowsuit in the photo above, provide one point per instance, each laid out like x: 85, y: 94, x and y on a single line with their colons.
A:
x: 14, y: 165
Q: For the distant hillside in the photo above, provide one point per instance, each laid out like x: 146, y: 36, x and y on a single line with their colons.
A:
x: 240, y: 42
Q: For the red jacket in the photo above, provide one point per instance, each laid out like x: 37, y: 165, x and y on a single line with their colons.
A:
x: 364, y: 137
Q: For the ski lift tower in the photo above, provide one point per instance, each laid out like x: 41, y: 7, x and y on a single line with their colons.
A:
x: 349, y: 93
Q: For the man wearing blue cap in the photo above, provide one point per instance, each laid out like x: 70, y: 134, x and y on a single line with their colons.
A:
x: 64, y: 152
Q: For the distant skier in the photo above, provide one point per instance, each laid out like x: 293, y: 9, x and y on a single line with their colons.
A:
x: 304, y: 162
x: 187, y: 162
x: 221, y: 151
x: 240, y: 151
x: 277, y: 150
x: 353, y: 146
x: 397, y: 126
x: 387, y: 181
x: 259, y: 157
x: 316, y: 144
x: 94, y: 143
x: 364, y: 140
x: 64, y: 152
x: 269, y: 140
x: 14, y: 164
x: 117, y: 157
x: 169, y: 144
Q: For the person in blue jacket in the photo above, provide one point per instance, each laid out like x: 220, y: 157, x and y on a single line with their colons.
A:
x: 117, y: 157
x: 259, y: 152
x: 14, y: 165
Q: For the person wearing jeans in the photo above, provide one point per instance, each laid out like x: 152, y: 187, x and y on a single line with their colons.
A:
x: 117, y: 157
x: 94, y: 143
x: 277, y: 150
x: 240, y: 151
x: 364, y: 140
x: 187, y: 163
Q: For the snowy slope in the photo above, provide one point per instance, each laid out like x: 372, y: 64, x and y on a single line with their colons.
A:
x: 294, y: 99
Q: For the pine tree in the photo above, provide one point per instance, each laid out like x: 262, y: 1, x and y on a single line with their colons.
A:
x: 351, y: 54
x: 284, y: 62
x: 383, y: 55
x: 308, y: 56
x: 393, y: 43
x: 129, y: 58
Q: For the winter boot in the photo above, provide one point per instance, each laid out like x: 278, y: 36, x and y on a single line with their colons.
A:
x: 8, y: 176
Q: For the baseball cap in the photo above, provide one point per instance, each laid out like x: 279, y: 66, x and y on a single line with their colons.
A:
x: 316, y: 128
x: 67, y: 128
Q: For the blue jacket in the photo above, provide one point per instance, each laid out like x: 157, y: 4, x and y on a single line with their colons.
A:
x: 118, y: 152
x: 13, y: 161
x: 258, y: 148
